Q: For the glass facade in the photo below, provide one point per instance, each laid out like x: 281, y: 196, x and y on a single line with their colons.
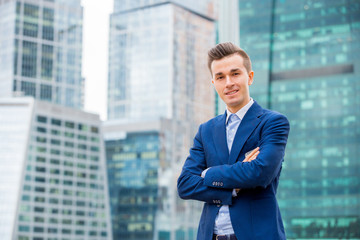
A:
x: 149, y: 49
x: 204, y: 7
x: 57, y: 174
x: 306, y: 60
x: 158, y: 73
x: 42, y: 43
x: 132, y: 165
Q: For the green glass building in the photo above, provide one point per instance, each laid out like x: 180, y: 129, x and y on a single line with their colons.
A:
x: 306, y: 59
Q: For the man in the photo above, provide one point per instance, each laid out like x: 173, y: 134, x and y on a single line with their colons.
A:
x: 238, y: 189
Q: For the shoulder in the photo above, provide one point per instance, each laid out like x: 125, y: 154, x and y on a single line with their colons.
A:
x: 271, y: 114
x: 273, y: 119
x: 213, y: 121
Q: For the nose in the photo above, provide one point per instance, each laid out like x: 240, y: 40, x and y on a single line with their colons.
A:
x: 228, y: 82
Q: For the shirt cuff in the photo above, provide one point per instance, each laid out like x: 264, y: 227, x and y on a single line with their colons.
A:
x: 234, y: 194
x: 204, y: 173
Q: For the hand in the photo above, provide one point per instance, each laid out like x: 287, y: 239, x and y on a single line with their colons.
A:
x: 252, y: 156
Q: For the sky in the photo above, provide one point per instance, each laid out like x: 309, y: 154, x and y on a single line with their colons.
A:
x: 95, y: 54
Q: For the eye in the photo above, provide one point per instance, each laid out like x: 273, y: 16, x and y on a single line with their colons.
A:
x: 219, y: 78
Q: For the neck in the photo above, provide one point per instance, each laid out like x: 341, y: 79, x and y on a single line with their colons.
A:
x: 235, y: 109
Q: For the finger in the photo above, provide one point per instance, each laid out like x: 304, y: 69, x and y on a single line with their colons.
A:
x: 253, y: 157
x: 248, y: 157
x: 253, y: 152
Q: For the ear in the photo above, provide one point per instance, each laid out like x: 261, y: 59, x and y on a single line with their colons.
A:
x: 251, y: 78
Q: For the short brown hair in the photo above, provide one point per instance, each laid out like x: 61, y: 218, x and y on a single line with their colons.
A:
x: 226, y: 49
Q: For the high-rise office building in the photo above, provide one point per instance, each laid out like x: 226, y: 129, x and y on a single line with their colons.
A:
x: 306, y: 58
x: 160, y: 87
x: 157, y: 61
x: 133, y: 158
x: 41, y: 50
x: 52, y: 173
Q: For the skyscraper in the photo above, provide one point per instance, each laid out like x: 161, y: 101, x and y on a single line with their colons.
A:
x: 159, y: 82
x: 156, y: 52
x: 306, y: 58
x: 52, y: 173
x: 41, y: 50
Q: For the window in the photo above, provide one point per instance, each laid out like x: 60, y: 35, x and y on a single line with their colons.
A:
x: 69, y: 124
x: 82, y: 146
x: 41, y: 119
x: 55, y: 161
x: 82, y: 127
x: 56, y: 122
x: 39, y: 209
x: 25, y: 198
x: 55, y: 132
x: 67, y: 202
x: 80, y: 222
x: 45, y: 92
x: 23, y: 218
x: 82, y: 137
x: 38, y: 229
x: 23, y: 228
x: 52, y: 230
x: 69, y: 144
x: 94, y: 130
x: 39, y: 219
x: 68, y: 173
x: 40, y: 159
x: 94, y: 148
x: 55, y: 151
x: 54, y: 181
x: 40, y: 169
x: 55, y: 142
x: 68, y: 193
x: 28, y: 88
x: 29, y: 67
x: 40, y: 179
x: 68, y: 183
x: 41, y: 129
x: 69, y: 135
x: 53, y: 200
x: 66, y: 221
x: 46, y: 69
x: 69, y: 164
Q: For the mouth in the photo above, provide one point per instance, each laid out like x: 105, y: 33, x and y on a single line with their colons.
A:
x: 231, y: 92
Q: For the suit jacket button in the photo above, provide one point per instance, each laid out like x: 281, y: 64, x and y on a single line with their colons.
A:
x: 218, y: 205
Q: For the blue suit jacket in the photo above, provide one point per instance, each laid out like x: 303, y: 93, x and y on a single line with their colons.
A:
x: 254, y: 212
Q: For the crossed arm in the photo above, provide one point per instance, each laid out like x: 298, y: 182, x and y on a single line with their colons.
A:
x: 258, y: 169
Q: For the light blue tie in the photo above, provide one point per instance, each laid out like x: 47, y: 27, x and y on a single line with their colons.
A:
x: 231, y: 127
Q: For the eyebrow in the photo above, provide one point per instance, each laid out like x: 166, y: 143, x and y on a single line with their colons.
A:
x: 232, y: 70
x: 219, y: 73
x: 235, y: 70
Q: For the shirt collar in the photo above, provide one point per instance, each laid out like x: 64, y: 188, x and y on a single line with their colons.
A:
x: 241, y: 113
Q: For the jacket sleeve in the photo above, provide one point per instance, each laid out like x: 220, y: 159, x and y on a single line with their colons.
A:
x: 191, y: 185
x: 261, y: 171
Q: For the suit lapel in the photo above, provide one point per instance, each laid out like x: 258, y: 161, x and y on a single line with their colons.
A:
x: 219, y: 138
x: 246, y: 127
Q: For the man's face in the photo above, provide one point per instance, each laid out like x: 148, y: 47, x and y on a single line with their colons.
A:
x: 232, y: 81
